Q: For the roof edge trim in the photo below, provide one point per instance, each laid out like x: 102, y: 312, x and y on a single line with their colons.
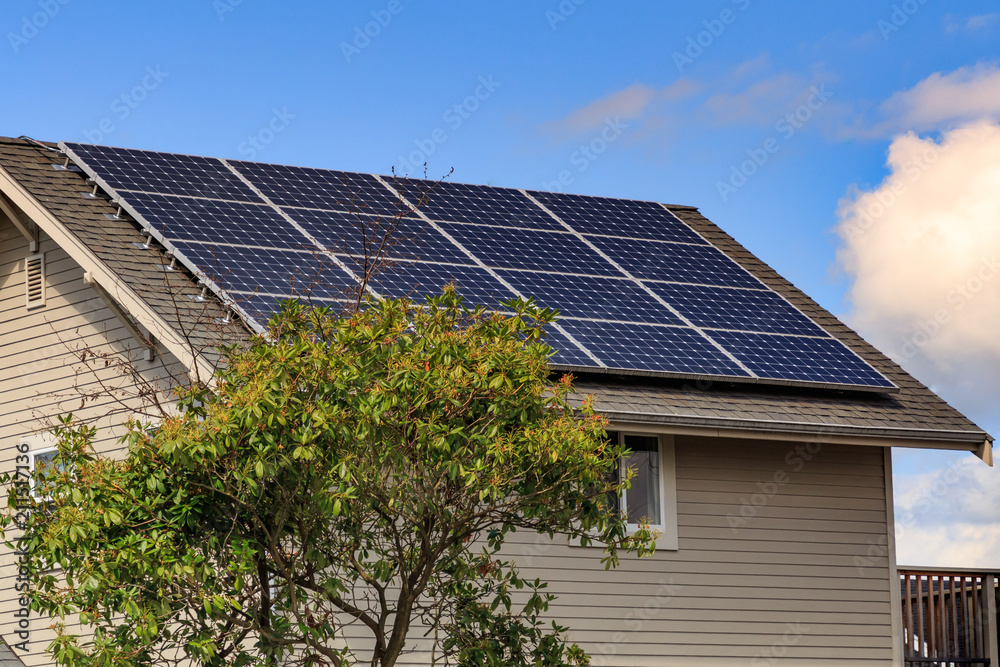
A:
x: 978, y: 442
x: 104, y: 276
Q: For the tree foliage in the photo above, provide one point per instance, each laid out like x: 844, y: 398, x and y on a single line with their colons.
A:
x: 342, y: 492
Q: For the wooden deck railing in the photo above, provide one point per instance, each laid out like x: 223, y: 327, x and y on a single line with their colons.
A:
x: 949, y: 617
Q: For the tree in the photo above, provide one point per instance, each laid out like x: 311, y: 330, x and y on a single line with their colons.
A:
x: 347, y: 482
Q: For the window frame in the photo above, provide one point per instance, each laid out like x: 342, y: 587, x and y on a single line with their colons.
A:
x: 667, y: 528
x: 32, y: 455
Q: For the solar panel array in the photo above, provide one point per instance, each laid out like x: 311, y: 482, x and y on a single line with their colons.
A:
x: 638, y: 289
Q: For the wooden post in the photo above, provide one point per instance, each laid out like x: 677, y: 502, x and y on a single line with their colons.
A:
x: 990, y: 613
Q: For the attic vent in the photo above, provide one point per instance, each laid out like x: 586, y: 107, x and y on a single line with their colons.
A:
x: 34, y: 280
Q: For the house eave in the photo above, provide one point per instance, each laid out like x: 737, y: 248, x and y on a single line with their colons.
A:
x: 977, y: 442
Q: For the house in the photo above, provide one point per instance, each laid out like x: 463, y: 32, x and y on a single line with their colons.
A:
x: 764, y: 460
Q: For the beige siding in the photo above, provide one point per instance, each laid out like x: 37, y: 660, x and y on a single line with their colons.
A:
x: 803, y: 581
x: 41, y: 376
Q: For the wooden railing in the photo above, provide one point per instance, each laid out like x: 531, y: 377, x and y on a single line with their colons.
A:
x: 949, y: 617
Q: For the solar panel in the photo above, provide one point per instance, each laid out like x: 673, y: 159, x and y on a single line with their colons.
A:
x: 675, y: 262
x: 532, y: 250
x: 740, y: 309
x: 244, y: 270
x: 414, y: 280
x: 321, y: 188
x: 592, y: 298
x: 164, y: 173
x: 401, y: 238
x: 639, y: 291
x: 799, y: 358
x: 618, y: 217
x: 479, y: 204
x: 217, y: 221
x: 666, y: 349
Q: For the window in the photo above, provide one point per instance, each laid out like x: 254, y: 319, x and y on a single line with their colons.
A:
x: 42, y: 461
x: 653, y: 494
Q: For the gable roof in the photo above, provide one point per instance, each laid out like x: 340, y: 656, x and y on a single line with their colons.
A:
x: 167, y: 303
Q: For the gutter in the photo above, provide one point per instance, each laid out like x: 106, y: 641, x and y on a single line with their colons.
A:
x: 978, y: 442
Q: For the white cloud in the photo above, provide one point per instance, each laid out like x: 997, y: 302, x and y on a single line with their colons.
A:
x: 761, y: 102
x: 627, y: 104
x: 923, y: 249
x: 979, y: 22
x: 949, y: 518
x: 942, y: 101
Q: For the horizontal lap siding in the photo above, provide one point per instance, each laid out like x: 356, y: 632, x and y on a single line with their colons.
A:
x: 786, y: 580
x: 42, y: 376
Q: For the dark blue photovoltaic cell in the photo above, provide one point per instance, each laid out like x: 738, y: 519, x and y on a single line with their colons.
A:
x: 534, y: 250
x: 618, y: 217
x: 799, y: 358
x: 408, y: 238
x: 417, y: 280
x: 591, y: 298
x: 165, y: 173
x: 742, y: 309
x: 480, y: 204
x: 676, y: 262
x: 282, y: 272
x: 215, y: 221
x: 652, y: 348
x: 321, y: 188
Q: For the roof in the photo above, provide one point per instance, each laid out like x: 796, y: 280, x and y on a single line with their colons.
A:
x: 89, y: 229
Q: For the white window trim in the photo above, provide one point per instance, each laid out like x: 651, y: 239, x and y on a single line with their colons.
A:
x: 667, y: 528
x: 31, y: 463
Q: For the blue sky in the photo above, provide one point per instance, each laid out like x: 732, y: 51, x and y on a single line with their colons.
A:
x: 764, y: 115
